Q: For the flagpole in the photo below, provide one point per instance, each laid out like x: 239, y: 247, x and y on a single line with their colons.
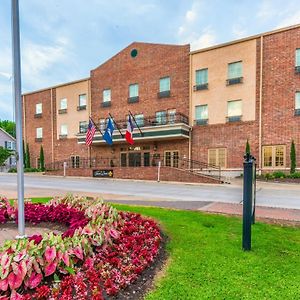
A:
x: 18, y: 113
x: 142, y: 134
x: 96, y: 126
x: 122, y: 135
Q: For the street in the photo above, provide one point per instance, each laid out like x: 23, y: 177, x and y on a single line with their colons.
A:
x: 268, y: 194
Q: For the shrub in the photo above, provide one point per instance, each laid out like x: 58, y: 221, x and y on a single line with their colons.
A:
x: 293, y: 157
x: 12, y: 170
x: 279, y: 174
x: 294, y: 175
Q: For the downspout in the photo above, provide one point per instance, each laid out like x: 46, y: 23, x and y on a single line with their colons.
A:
x: 52, y: 127
x: 260, y: 107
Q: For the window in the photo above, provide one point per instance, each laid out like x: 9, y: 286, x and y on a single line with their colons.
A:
x: 107, y: 95
x: 63, y: 130
x: 82, y: 102
x: 123, y: 159
x: 297, y: 103
x: 83, y: 126
x: 297, y: 60
x: 161, y: 117
x: 63, y: 103
x: 133, y: 90
x: 134, y: 159
x: 10, y: 145
x: 201, y: 114
x: 171, y: 116
x: 147, y: 159
x: 38, y: 108
x: 75, y: 161
x: 139, y: 119
x: 201, y: 80
x: 171, y: 159
x: 274, y: 156
x: 39, y: 133
x: 102, y: 124
x: 164, y: 84
x: 235, y: 73
x: 217, y: 157
x: 234, y: 110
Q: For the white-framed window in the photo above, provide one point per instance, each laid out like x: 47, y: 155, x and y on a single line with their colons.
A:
x: 172, y: 158
x: 102, y: 124
x: 133, y: 90
x: 164, y: 84
x: 235, y: 70
x: 64, y: 129
x: 201, y: 112
x: 39, y: 133
x: 234, y: 108
x: 83, y: 126
x: 38, y: 108
x: 171, y: 116
x: 297, y: 57
x: 139, y: 118
x: 63, y: 103
x: 297, y: 100
x: 274, y: 156
x: 107, y: 95
x: 217, y: 157
x: 161, y: 117
x: 201, y: 76
x: 82, y: 100
x: 10, y: 145
x: 75, y: 161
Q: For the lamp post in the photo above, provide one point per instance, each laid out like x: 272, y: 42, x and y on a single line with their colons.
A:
x: 18, y: 112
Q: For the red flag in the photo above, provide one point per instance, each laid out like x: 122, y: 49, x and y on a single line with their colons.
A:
x: 129, y: 130
x: 90, y: 133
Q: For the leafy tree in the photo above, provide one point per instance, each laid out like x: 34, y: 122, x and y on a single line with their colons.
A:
x: 9, y: 127
x: 42, y: 159
x: 4, y: 155
x: 247, y: 147
x: 293, y: 158
x: 27, y: 161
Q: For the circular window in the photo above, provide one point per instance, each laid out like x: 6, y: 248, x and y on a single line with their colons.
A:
x: 134, y: 53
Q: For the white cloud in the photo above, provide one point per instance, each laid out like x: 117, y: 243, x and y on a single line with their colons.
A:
x: 191, y: 15
x: 205, y: 39
x: 291, y: 19
x: 238, y: 32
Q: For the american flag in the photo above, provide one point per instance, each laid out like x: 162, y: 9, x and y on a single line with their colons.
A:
x: 90, y: 133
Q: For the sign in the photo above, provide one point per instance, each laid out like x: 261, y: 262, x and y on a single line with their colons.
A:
x: 103, y: 173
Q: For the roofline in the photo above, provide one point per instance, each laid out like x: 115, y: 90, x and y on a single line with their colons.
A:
x: 7, y: 134
x: 252, y: 37
x: 57, y: 86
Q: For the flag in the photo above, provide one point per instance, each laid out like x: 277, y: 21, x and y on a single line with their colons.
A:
x: 90, y: 133
x: 129, y: 130
x: 107, y: 136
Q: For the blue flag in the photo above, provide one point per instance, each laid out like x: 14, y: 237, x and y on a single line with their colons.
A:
x: 107, y: 136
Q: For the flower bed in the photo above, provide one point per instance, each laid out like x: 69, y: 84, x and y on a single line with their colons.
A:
x: 101, y: 252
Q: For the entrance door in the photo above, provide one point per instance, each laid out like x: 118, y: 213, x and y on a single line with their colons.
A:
x: 172, y: 159
x: 135, y: 159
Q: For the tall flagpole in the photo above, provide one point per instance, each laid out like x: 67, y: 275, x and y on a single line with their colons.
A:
x: 18, y: 112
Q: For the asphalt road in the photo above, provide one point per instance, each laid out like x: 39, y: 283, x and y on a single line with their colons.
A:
x: 268, y: 194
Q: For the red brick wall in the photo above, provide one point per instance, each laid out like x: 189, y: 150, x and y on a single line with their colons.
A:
x: 152, y: 62
x: 32, y: 123
x: 280, y: 83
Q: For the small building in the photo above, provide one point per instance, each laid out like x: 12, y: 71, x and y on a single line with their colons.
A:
x: 8, y: 142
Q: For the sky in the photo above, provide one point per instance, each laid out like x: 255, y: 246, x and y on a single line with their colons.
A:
x: 62, y: 40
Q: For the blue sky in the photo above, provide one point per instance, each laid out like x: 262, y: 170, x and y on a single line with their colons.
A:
x: 62, y: 40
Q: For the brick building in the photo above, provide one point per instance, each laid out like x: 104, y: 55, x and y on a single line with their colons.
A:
x: 195, y: 109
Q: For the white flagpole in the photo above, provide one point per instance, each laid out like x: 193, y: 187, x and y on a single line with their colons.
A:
x: 18, y: 112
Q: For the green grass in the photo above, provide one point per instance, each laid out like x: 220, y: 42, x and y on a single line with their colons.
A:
x: 34, y: 200
x: 206, y: 260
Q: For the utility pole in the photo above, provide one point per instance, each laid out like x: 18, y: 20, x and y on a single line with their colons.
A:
x: 18, y: 112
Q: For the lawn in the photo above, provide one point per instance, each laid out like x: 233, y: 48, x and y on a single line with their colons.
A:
x: 206, y: 260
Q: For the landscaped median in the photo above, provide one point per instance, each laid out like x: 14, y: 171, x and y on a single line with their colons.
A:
x: 101, y: 252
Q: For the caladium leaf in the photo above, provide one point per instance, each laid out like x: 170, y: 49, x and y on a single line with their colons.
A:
x: 5, y: 260
x: 50, y: 268
x: 20, y: 256
x: 65, y: 258
x: 50, y: 253
x: 114, y: 233
x: 14, y: 281
x: 4, y: 272
x: 4, y: 284
x: 78, y: 252
x: 34, y: 280
x: 15, y: 296
x: 36, y: 266
x: 19, y: 269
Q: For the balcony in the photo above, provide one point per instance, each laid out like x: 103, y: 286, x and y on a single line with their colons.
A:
x: 81, y: 107
x: 236, y: 80
x: 233, y: 119
x: 106, y: 104
x: 133, y: 99
x: 164, y: 94
x: 199, y: 87
x: 297, y: 69
x: 168, y: 127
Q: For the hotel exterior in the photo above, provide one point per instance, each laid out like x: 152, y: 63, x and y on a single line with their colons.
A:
x: 196, y: 111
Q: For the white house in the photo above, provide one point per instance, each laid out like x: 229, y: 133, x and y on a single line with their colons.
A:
x: 9, y: 142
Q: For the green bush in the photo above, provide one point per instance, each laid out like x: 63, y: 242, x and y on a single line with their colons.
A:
x: 26, y: 170
x: 279, y: 174
x: 12, y: 170
x: 294, y: 175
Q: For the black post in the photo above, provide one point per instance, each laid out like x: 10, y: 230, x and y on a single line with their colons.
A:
x: 247, y: 201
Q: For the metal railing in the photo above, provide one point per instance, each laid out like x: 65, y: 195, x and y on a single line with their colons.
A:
x: 173, y: 161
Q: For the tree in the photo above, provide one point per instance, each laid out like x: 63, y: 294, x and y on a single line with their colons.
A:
x: 27, y: 161
x: 293, y: 157
x: 247, y: 147
x: 9, y: 127
x: 4, y: 155
x: 42, y: 159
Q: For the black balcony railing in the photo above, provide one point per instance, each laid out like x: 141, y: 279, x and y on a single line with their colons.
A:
x: 236, y: 80
x: 234, y: 119
x: 297, y: 69
x: 199, y: 87
x: 201, y: 122
x: 297, y: 112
